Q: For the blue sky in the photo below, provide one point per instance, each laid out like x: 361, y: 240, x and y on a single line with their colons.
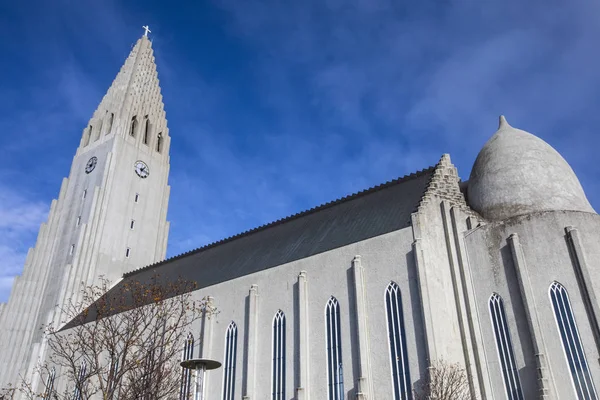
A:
x: 275, y: 106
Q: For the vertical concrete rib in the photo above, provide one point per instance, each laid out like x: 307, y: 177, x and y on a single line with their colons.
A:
x: 363, y: 386
x: 302, y: 391
x: 585, y: 281
x: 250, y: 381
x: 544, y: 389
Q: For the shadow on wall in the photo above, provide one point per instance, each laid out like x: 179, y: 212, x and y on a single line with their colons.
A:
x: 527, y: 374
x: 354, y: 344
x: 417, y: 313
x: 245, y: 346
x: 296, y: 338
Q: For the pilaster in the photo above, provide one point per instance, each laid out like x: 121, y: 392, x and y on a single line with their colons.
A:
x: 302, y: 391
x: 251, y: 344
x: 363, y: 385
x: 590, y: 299
x: 544, y: 389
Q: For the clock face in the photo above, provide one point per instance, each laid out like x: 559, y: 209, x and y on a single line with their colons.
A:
x: 91, y: 164
x: 141, y: 169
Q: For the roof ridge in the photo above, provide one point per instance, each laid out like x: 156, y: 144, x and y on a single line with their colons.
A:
x: 292, y: 217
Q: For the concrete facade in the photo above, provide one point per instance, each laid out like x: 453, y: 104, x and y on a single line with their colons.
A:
x: 454, y: 249
x: 89, y: 227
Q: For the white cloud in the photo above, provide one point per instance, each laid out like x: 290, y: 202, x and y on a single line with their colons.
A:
x: 20, y: 219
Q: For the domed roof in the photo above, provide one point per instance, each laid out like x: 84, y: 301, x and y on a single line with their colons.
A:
x: 518, y: 173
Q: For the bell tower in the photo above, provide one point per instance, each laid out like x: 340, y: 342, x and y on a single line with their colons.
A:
x: 110, y: 216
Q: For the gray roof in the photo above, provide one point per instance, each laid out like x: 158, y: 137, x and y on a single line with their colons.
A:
x: 363, y: 215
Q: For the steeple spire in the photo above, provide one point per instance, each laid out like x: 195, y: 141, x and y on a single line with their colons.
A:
x: 134, y: 94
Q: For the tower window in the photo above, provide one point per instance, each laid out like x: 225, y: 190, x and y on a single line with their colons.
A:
x: 127, y: 252
x: 133, y: 126
x: 131, y: 225
x: 335, y: 377
x: 78, y: 221
x: 510, y: 372
x: 278, y: 368
x: 186, y: 373
x: 159, y: 140
x: 137, y: 197
x: 88, y: 135
x: 84, y: 194
x: 110, y: 123
x: 397, y: 340
x: 146, y: 129
x: 580, y: 372
x: 230, y: 357
x: 71, y: 249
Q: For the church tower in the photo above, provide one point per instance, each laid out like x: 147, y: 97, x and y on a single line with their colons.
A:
x: 110, y: 215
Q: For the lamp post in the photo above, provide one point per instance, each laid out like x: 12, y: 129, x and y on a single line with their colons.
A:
x: 200, y: 365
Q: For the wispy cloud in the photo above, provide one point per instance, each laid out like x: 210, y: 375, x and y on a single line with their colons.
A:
x: 277, y: 106
x: 20, y: 220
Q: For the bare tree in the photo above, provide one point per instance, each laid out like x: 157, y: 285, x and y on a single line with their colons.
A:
x: 445, y: 381
x: 119, y: 345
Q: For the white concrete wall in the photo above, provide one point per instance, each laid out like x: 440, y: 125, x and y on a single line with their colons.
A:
x: 546, y: 253
x: 385, y: 258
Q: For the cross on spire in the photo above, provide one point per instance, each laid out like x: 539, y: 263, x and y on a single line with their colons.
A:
x: 146, y: 30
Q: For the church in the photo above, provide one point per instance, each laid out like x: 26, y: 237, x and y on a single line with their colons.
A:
x: 498, y: 273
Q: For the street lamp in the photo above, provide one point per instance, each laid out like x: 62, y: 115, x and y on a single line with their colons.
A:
x: 200, y: 365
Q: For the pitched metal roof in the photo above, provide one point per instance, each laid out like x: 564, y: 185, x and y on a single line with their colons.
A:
x: 363, y: 215
x: 376, y: 211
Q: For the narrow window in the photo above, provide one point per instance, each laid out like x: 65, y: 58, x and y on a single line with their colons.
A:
x: 397, y: 341
x: 159, y: 139
x: 278, y: 369
x: 146, y: 129
x: 565, y: 320
x: 335, y: 377
x: 127, y: 252
x: 71, y: 249
x: 186, y: 374
x: 147, y: 381
x: 131, y: 224
x: 49, y: 389
x: 110, y: 123
x: 87, y: 133
x: 230, y: 357
x: 80, y: 380
x: 133, y: 126
x: 78, y: 221
x: 112, y: 383
x: 137, y: 197
x: 510, y: 372
x: 84, y: 194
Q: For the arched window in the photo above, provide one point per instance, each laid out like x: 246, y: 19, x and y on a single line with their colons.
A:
x: 510, y: 372
x: 49, y: 390
x: 146, y: 129
x: 110, y: 123
x: 278, y: 369
x: 335, y: 377
x: 87, y: 135
x: 565, y: 319
x: 159, y: 140
x: 397, y: 342
x: 133, y: 126
x: 112, y: 379
x: 230, y: 357
x: 186, y: 374
x: 80, y: 381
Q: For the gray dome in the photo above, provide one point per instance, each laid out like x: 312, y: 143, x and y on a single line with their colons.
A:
x: 518, y: 173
